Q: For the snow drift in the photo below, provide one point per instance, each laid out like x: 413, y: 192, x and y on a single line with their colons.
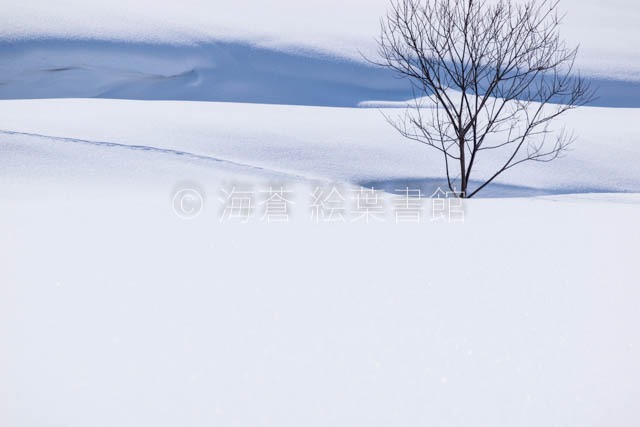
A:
x: 348, y: 145
x: 214, y: 71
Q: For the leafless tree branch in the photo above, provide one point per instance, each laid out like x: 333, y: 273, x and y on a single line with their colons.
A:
x: 490, y: 70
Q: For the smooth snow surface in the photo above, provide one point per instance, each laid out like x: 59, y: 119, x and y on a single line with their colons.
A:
x: 606, y: 31
x: 280, y: 51
x: 337, y: 144
x: 216, y: 71
x: 116, y: 311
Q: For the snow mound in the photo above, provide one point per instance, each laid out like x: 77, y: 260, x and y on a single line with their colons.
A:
x: 605, y: 31
x: 305, y: 143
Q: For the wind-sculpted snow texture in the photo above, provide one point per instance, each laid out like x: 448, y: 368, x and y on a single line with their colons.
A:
x: 214, y: 71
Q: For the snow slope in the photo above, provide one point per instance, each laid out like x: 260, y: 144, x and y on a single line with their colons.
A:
x: 605, y: 31
x: 282, y: 52
x: 116, y: 311
x: 214, y: 71
x: 338, y: 144
x: 207, y: 72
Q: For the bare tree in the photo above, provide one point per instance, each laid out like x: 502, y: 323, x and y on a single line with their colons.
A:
x: 495, y: 74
